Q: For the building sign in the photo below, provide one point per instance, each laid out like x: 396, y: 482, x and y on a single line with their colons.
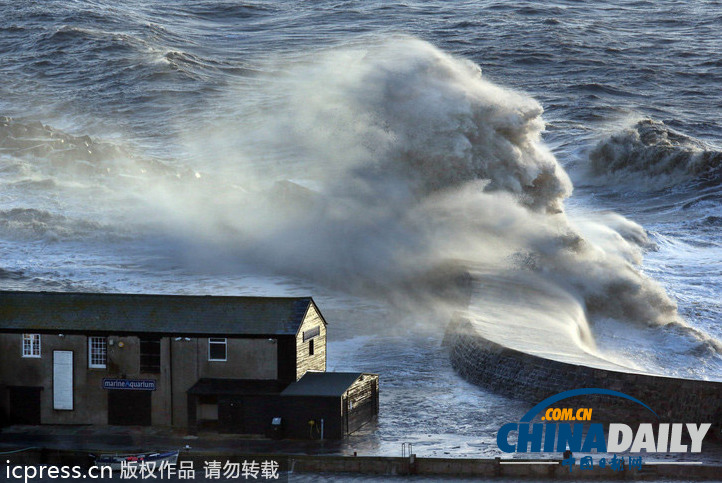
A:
x: 130, y: 384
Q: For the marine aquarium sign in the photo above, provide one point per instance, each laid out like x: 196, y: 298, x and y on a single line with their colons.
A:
x: 561, y: 431
x: 130, y: 384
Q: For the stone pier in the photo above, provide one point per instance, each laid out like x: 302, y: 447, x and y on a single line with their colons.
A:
x: 533, y: 378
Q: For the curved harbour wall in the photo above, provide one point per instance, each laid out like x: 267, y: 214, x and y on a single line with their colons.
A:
x: 532, y: 378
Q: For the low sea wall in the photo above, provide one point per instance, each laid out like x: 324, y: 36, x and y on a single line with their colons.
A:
x: 528, y: 377
x: 493, y: 469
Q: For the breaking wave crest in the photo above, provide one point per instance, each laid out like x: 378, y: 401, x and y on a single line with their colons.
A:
x: 64, y: 155
x: 651, y: 148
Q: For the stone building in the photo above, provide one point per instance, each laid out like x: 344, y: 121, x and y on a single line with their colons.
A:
x: 184, y: 361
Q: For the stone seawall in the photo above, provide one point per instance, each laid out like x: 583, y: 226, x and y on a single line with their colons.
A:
x: 528, y: 377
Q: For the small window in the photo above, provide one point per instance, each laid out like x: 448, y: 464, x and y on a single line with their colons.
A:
x: 150, y: 355
x: 311, y: 333
x: 31, y: 345
x: 217, y: 349
x: 97, y: 352
x: 310, y: 347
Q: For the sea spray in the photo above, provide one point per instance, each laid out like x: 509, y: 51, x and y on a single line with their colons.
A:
x: 366, y: 166
x: 413, y: 159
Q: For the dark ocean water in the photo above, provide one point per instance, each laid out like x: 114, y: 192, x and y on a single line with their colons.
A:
x: 139, y: 67
x: 137, y: 133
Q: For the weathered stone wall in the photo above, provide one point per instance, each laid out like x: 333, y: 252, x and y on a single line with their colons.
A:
x: 532, y: 378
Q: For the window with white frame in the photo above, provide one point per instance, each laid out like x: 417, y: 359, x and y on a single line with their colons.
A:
x: 31, y: 345
x: 97, y: 352
x: 217, y: 349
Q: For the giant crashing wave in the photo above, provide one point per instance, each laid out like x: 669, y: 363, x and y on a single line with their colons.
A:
x: 409, y: 158
x: 415, y: 159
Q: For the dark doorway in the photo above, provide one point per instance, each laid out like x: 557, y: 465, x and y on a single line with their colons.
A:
x: 24, y: 405
x: 129, y: 408
x: 233, y: 417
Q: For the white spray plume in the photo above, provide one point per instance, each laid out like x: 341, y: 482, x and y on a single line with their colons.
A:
x: 364, y: 166
x: 412, y: 159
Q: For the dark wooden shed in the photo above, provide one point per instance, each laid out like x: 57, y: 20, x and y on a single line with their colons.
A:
x: 320, y: 404
x: 338, y: 403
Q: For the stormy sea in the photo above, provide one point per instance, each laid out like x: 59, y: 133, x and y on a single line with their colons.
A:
x: 566, y: 154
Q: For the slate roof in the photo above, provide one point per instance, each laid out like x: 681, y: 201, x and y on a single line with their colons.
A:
x: 234, y: 387
x: 322, y: 384
x: 160, y: 314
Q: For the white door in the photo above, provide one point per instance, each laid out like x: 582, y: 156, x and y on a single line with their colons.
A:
x: 63, y: 380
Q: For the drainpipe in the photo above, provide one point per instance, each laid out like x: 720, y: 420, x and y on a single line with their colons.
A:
x: 170, y: 370
x: 321, y: 429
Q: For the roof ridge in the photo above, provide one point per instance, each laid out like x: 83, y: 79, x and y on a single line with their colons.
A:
x: 80, y: 312
x: 126, y: 294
